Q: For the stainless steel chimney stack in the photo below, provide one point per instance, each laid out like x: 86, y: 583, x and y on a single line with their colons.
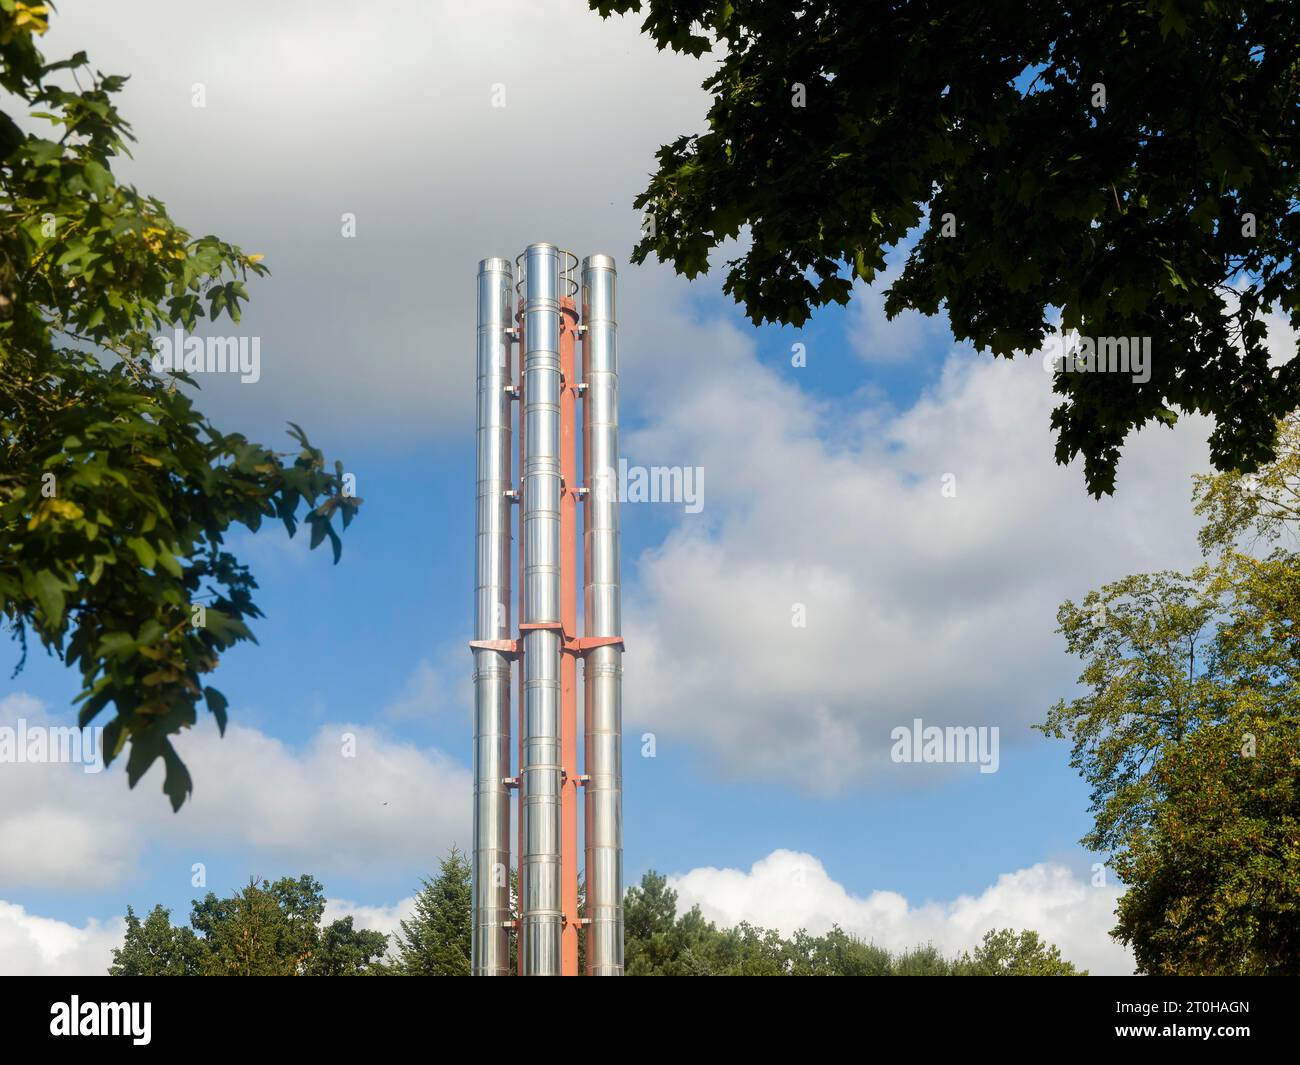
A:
x: 548, y: 644
x: 490, y: 868
x: 541, y: 915
x: 603, y: 668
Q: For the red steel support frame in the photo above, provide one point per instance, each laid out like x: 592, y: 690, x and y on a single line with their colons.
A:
x: 519, y: 659
x: 569, y: 623
x: 572, y: 647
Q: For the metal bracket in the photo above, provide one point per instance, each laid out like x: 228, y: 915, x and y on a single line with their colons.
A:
x: 582, y: 645
x: 509, y: 648
x: 510, y: 782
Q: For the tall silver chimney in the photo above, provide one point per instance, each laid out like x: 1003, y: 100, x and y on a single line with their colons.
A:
x: 490, y: 865
x: 547, y: 643
x: 603, y: 668
x: 541, y: 915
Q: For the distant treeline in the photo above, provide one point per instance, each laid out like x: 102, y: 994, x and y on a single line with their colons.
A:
x: 275, y: 929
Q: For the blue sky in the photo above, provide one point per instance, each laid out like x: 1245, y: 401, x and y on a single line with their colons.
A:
x: 771, y: 795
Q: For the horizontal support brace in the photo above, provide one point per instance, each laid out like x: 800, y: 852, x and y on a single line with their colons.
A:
x: 574, y: 645
x: 585, y: 644
x: 505, y: 647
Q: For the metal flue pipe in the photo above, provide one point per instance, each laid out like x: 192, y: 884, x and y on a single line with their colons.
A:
x: 603, y: 669
x: 548, y: 647
x: 541, y: 914
x: 490, y: 867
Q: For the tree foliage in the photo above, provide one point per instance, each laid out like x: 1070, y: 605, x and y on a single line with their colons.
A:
x: 155, y: 947
x: 662, y: 942
x: 116, y: 493
x: 1188, y: 733
x: 273, y: 929
x: 1003, y: 952
x: 1134, y: 165
x: 435, y: 941
x: 266, y: 929
x: 343, y: 950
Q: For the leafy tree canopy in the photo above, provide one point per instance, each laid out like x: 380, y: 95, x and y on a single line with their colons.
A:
x: 1188, y: 732
x: 116, y: 494
x: 267, y: 929
x: 155, y: 947
x: 1006, y: 953
x: 1133, y: 164
x: 274, y: 929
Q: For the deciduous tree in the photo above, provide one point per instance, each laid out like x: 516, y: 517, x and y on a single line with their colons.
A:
x: 1135, y: 166
x: 1005, y: 952
x: 116, y: 494
x: 154, y: 947
x: 265, y: 929
x: 1188, y: 732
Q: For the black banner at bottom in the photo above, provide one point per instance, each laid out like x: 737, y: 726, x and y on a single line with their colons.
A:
x: 211, y: 1015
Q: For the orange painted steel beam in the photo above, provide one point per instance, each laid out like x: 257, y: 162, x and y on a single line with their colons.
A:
x: 566, y: 626
x: 580, y: 645
x: 569, y: 624
x: 506, y: 647
x: 519, y: 669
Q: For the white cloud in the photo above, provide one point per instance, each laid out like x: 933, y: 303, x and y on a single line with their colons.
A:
x: 315, y: 110
x: 386, y: 919
x: 438, y: 688
x: 1280, y: 340
x: 788, y: 890
x: 391, y: 806
x: 40, y: 946
x: 917, y: 605
x: 878, y: 339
